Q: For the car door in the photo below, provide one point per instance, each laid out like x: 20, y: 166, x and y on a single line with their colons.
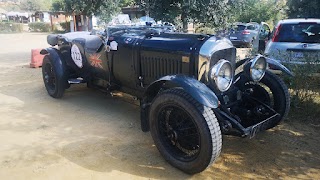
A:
x: 262, y: 37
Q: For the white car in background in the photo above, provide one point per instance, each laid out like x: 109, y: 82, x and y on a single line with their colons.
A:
x: 295, y: 41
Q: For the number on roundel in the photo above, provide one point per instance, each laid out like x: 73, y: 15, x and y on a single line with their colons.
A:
x: 76, y: 56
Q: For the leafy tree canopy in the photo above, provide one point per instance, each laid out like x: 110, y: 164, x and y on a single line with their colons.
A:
x: 258, y: 10
x: 303, y: 8
x: 208, y: 12
x: 35, y: 5
x: 102, y: 8
x: 215, y: 13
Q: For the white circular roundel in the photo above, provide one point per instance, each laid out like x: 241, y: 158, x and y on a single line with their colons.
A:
x: 76, y: 56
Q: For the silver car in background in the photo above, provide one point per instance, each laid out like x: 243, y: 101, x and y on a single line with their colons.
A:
x: 295, y: 41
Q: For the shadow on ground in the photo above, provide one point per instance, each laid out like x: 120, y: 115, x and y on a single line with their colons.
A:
x: 102, y: 133
x: 286, y: 151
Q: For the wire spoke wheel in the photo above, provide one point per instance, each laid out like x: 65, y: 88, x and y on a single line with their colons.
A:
x: 272, y: 91
x: 261, y: 92
x: 186, y: 133
x: 178, y: 132
x: 49, y: 76
x: 54, y: 77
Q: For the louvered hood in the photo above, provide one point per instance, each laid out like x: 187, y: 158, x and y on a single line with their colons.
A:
x: 169, y: 54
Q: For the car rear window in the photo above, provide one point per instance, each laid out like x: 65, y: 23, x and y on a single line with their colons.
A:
x: 240, y: 27
x: 250, y: 27
x: 302, y: 32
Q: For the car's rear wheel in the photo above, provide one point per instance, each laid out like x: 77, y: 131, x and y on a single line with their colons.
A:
x: 55, y: 84
x: 185, y: 132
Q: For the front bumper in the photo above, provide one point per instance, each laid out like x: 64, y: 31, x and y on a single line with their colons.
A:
x: 237, y: 129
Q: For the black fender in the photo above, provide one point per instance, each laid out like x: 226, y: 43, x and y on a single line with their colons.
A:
x: 274, y: 62
x: 56, y: 60
x: 279, y: 66
x: 199, y: 91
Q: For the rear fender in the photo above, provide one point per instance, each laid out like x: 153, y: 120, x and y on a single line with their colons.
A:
x: 56, y: 60
x: 199, y: 91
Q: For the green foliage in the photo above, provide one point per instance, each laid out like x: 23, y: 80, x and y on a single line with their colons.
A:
x: 65, y: 26
x: 85, y: 7
x: 204, y: 30
x: 258, y: 11
x: 305, y: 91
x: 35, y: 5
x: 7, y: 27
x: 105, y: 13
x: 304, y: 85
x: 303, y: 8
x: 39, y: 27
x: 104, y: 9
x: 210, y: 13
x: 216, y: 14
x: 10, y: 7
x: 58, y: 5
x: 126, y: 3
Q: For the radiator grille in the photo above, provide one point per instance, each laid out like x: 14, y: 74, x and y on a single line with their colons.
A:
x: 155, y: 67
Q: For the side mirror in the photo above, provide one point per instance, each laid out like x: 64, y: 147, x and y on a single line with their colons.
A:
x: 263, y: 37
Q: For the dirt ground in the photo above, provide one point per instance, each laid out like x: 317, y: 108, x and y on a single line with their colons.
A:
x: 89, y: 135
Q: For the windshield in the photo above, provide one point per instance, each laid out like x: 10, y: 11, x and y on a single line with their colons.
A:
x: 302, y: 32
x: 138, y: 30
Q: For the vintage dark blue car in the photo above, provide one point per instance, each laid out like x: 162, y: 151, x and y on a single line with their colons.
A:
x: 188, y: 90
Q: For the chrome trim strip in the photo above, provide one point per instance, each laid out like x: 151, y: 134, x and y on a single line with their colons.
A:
x: 211, y: 46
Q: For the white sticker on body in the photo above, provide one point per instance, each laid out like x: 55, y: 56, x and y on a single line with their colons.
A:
x: 114, y: 46
x: 76, y: 56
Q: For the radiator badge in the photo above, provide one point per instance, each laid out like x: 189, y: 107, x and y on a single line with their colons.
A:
x: 185, y: 59
x: 95, y: 60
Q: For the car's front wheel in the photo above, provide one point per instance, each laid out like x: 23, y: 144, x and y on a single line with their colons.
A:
x: 186, y: 133
x: 272, y: 91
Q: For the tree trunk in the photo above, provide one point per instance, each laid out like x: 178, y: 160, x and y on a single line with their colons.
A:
x: 184, y: 23
x: 184, y: 18
x: 147, y: 8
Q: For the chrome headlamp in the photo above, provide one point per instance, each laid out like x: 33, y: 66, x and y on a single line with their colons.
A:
x: 258, y: 68
x: 221, y: 74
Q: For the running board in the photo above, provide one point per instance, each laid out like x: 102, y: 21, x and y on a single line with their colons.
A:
x: 76, y: 81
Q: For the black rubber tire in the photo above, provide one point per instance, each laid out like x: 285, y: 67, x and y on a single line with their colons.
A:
x: 60, y: 81
x: 281, y: 96
x: 207, y: 127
